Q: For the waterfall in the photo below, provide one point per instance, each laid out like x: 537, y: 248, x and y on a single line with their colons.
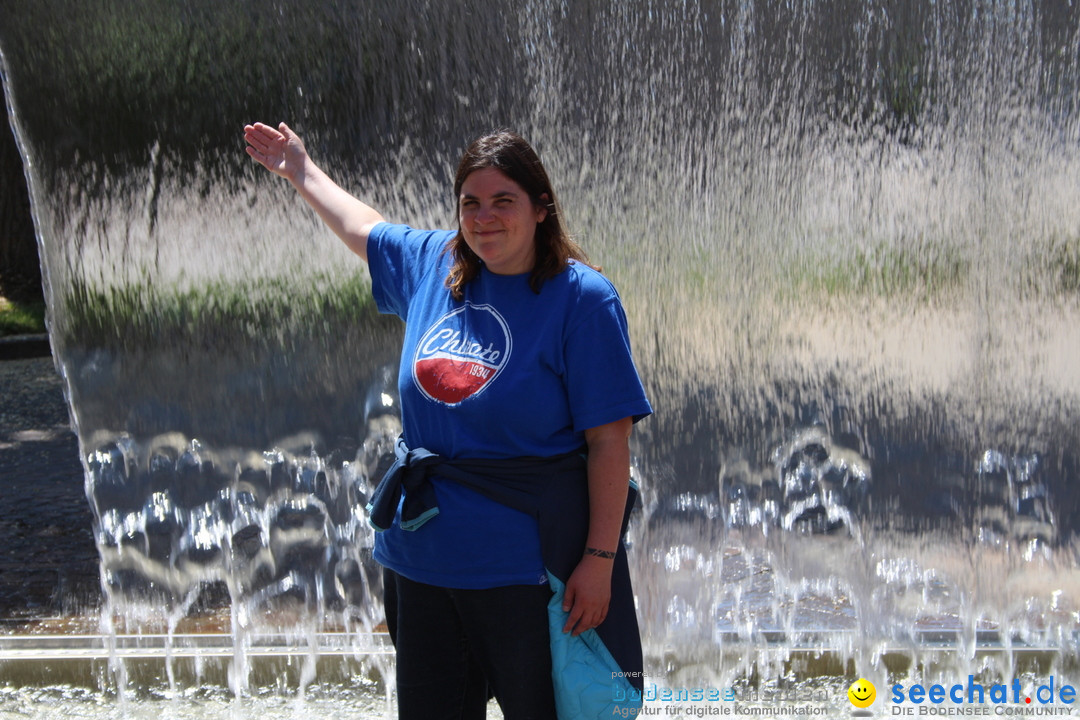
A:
x: 847, y: 234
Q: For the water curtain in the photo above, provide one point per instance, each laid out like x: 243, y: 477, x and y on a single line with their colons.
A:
x: 847, y: 233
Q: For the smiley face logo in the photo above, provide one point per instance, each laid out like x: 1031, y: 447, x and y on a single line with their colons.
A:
x: 862, y: 693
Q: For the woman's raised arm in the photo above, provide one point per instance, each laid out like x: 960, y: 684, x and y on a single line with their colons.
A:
x: 282, y: 152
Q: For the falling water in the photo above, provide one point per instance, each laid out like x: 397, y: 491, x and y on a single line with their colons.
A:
x: 847, y: 234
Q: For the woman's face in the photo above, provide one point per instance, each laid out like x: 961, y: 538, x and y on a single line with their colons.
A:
x: 498, y: 220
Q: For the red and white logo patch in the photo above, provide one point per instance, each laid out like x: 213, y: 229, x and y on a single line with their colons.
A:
x: 461, y: 354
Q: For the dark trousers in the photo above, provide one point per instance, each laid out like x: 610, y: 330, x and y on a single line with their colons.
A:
x: 454, y: 647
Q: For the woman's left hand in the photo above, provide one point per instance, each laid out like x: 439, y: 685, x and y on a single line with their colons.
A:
x: 588, y: 593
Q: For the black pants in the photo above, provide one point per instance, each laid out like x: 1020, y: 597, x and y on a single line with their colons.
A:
x: 454, y: 647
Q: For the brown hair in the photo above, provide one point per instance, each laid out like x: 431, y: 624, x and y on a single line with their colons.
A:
x: 512, y: 155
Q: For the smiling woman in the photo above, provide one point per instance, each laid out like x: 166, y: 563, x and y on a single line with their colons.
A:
x: 498, y: 220
x: 507, y: 505
x: 511, y: 156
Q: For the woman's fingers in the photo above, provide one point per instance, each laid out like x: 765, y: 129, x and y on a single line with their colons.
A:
x: 267, y: 145
x: 584, y: 615
x: 587, y: 594
x: 260, y: 137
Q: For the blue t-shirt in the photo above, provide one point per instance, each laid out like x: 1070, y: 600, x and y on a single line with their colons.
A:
x: 504, y: 373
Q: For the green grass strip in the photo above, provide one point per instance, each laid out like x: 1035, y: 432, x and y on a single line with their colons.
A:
x: 266, y: 309
x: 21, y: 318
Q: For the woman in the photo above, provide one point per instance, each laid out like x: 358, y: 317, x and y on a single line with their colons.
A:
x: 518, y: 395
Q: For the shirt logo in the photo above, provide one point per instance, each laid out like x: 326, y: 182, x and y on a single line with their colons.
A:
x: 461, y: 354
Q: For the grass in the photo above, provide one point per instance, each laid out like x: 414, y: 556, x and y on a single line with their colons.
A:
x: 1065, y: 258
x: 266, y: 309
x: 282, y: 309
x: 885, y: 272
x: 21, y: 318
x: 925, y: 273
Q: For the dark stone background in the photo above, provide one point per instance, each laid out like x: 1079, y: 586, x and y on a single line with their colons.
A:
x: 48, y: 560
x: 20, y: 270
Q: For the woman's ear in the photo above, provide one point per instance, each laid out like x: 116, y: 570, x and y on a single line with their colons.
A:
x: 542, y: 208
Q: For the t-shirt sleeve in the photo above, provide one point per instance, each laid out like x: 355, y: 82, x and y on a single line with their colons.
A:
x: 602, y: 381
x: 398, y: 258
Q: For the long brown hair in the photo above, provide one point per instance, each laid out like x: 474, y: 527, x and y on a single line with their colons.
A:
x: 512, y: 155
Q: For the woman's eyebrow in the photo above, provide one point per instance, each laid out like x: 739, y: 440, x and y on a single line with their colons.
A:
x: 501, y: 193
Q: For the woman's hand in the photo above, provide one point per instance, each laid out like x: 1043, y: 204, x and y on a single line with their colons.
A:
x: 280, y: 151
x: 588, y: 591
x: 588, y: 594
